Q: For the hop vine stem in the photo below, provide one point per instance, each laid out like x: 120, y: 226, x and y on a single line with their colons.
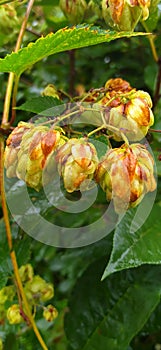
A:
x: 12, y: 75
x: 4, y: 125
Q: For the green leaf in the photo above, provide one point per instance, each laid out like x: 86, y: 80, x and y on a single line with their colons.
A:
x: 131, y: 249
x: 23, y: 250
x: 153, y: 324
x: 63, y: 40
x: 107, y: 315
x: 40, y: 105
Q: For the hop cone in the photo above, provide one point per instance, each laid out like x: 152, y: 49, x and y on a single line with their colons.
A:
x: 13, y: 146
x: 74, y: 10
x: 29, y: 151
x: 77, y: 162
x: 126, y: 175
x: 37, y: 145
x: 125, y: 14
x: 9, y: 23
x: 130, y: 110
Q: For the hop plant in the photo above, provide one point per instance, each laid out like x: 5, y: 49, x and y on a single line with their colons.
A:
x: 129, y: 110
x: 28, y: 150
x: 26, y: 273
x: 50, y: 313
x: 126, y: 174
x: 13, y: 144
x: 7, y: 294
x: 50, y: 90
x: 77, y: 162
x: 38, y: 290
x: 9, y: 22
x: 14, y: 314
x: 124, y: 15
x: 118, y: 85
x: 94, y: 11
x: 74, y: 10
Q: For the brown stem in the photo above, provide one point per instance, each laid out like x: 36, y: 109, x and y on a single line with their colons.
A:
x: 71, y: 72
x: 15, y: 89
x: 12, y: 252
x: 33, y: 32
x: 153, y: 130
x: 12, y: 75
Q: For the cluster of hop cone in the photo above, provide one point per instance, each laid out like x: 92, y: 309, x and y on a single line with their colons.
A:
x: 119, y: 14
x: 37, y: 292
x: 125, y: 173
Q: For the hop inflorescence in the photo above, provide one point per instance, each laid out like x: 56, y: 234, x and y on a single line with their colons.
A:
x: 37, y: 292
x: 35, y: 150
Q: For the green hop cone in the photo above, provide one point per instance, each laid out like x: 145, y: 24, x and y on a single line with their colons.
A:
x: 13, y: 144
x: 14, y: 314
x: 77, y: 162
x: 74, y: 10
x: 50, y: 313
x: 50, y: 90
x: 94, y: 11
x: 26, y: 273
x: 7, y: 294
x: 9, y: 23
x: 38, y: 290
x: 126, y: 174
x: 125, y: 14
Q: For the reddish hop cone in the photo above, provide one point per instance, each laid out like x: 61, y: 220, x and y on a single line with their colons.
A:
x: 129, y: 110
x: 126, y: 174
x: 28, y: 150
x: 74, y: 10
x: 118, y: 85
x: 77, y: 162
x: 125, y: 14
x: 13, y: 146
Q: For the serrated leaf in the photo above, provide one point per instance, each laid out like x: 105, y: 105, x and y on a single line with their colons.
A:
x: 40, y: 105
x: 134, y: 249
x: 63, y: 40
x: 107, y: 315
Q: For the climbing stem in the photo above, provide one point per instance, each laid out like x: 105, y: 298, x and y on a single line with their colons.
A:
x: 12, y: 75
x: 151, y: 42
x: 12, y: 252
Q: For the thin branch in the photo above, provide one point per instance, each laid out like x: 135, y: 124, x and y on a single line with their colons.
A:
x: 12, y: 252
x: 151, y: 41
x: 12, y: 75
x: 153, y: 130
x: 71, y: 71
